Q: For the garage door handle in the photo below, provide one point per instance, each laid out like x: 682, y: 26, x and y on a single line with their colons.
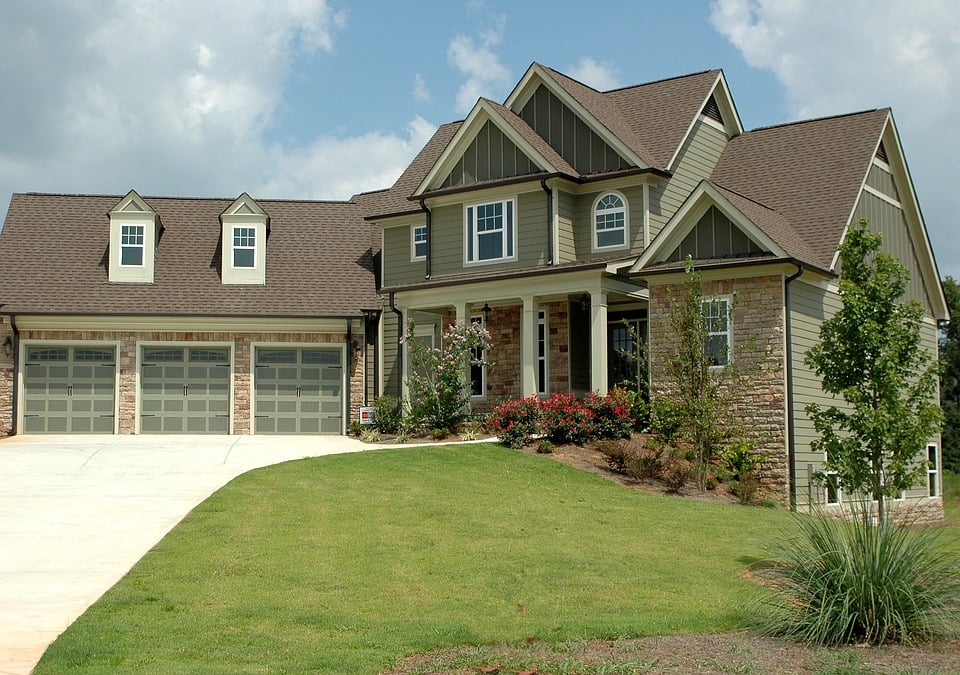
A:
x: 106, y: 415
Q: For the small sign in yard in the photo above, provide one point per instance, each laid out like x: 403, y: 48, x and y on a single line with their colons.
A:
x: 366, y: 415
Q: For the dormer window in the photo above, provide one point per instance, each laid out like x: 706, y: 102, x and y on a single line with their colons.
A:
x: 131, y: 245
x: 134, y: 233
x: 243, y: 234
x: 244, y: 247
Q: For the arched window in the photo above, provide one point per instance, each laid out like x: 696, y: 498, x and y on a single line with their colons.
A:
x: 610, y: 222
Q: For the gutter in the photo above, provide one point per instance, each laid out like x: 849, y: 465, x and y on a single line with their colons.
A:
x: 791, y: 424
x: 14, y: 399
x: 549, y: 191
x: 429, y: 222
x: 399, y: 366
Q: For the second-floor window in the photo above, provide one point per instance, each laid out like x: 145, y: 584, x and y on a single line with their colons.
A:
x: 418, y: 235
x: 244, y: 247
x: 716, y: 318
x: 610, y: 222
x: 131, y: 245
x: 490, y: 232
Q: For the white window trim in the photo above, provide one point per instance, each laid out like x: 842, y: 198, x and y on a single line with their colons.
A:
x: 413, y: 242
x: 933, y: 473
x: 478, y: 318
x: 509, y: 238
x: 234, y: 247
x: 543, y: 320
x: 826, y: 491
x: 729, y: 332
x: 626, y: 223
x: 142, y: 245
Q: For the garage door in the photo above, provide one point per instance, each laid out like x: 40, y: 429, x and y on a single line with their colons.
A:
x: 298, y: 391
x: 185, y: 390
x: 69, y: 390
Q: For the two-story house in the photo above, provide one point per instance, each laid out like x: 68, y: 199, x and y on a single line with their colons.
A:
x: 561, y: 218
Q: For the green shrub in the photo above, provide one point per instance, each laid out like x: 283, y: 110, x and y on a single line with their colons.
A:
x: 676, y: 470
x: 646, y: 463
x: 666, y: 419
x: 356, y: 428
x: 852, y: 582
x: 740, y: 463
x: 388, y: 414
x: 610, y: 414
x: 516, y: 422
x: 439, y: 434
x: 545, y: 447
x: 566, y: 420
x: 616, y: 454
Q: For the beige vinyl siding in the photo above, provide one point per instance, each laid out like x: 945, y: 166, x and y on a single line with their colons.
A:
x: 566, y: 211
x: 398, y: 269
x: 583, y: 224
x: 390, y: 375
x: 449, y: 231
x: 696, y: 160
x: 810, y: 306
x: 883, y: 181
x: 889, y: 220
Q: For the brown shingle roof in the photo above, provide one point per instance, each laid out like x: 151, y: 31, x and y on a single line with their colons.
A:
x: 54, y: 259
x: 651, y: 119
x: 393, y: 201
x: 808, y: 172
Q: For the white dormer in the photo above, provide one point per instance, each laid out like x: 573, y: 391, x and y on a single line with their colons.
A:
x: 134, y: 231
x: 244, y: 227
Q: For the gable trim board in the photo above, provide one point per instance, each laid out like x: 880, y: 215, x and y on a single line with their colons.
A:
x: 728, y: 111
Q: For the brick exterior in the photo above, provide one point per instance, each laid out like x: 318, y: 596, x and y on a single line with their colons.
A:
x: 127, y: 366
x: 758, y: 344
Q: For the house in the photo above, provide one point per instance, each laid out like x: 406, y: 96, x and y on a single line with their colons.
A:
x: 559, y: 219
x: 156, y: 315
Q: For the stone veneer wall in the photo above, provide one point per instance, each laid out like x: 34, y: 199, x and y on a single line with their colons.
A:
x: 6, y: 381
x: 127, y: 365
x: 758, y: 343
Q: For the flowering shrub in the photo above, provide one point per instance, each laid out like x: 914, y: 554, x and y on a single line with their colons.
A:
x: 610, y: 413
x: 516, y: 422
x: 439, y: 391
x: 566, y: 420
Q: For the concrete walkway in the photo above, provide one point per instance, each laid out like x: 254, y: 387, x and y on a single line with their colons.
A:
x: 76, y: 513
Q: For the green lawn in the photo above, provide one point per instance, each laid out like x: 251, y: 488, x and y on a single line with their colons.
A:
x: 348, y: 563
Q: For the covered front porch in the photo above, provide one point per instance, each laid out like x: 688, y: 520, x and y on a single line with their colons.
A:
x: 551, y: 332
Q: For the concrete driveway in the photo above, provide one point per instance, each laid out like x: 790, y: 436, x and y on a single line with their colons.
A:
x: 76, y: 513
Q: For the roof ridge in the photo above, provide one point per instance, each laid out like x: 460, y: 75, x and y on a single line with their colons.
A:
x: 811, y: 120
x: 184, y: 199
x: 660, y: 81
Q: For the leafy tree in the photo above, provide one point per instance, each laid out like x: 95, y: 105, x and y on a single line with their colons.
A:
x: 439, y: 390
x: 870, y: 356
x: 950, y: 378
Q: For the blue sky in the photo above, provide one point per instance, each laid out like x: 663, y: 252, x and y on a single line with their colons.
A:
x: 325, y: 98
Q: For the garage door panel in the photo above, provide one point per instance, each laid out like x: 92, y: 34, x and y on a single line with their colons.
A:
x: 304, y: 395
x: 69, y: 390
x: 189, y: 392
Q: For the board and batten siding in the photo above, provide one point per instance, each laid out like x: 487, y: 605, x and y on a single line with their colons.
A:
x: 888, y: 219
x: 697, y: 158
x: 583, y: 223
x: 398, y: 269
x: 449, y: 231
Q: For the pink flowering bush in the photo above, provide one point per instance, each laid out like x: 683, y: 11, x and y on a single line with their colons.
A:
x: 516, y: 422
x: 439, y: 390
x: 566, y: 419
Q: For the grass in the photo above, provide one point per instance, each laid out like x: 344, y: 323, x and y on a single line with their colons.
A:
x: 951, y: 498
x: 348, y: 563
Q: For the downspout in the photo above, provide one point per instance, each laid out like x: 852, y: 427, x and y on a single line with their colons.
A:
x: 429, y: 223
x: 14, y: 399
x: 393, y: 308
x: 549, y: 191
x: 791, y: 425
x: 350, y: 361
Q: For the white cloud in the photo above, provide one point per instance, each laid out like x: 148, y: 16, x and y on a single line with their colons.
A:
x: 600, y: 76
x: 174, y: 98
x: 420, y: 92
x: 486, y: 75
x: 841, y: 57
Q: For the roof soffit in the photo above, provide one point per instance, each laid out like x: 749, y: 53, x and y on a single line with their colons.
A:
x: 537, y: 75
x: 685, y: 219
x: 482, y: 112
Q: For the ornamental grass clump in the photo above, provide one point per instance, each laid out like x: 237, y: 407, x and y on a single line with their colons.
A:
x: 854, y: 582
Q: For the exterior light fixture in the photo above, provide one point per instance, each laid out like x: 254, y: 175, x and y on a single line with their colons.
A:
x: 486, y: 312
x: 8, y: 347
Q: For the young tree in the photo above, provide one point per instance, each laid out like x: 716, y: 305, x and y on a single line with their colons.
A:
x: 950, y: 378
x: 870, y: 357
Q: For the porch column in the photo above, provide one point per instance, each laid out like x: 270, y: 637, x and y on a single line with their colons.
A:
x: 528, y: 347
x: 463, y: 314
x: 598, y: 342
x: 403, y: 352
